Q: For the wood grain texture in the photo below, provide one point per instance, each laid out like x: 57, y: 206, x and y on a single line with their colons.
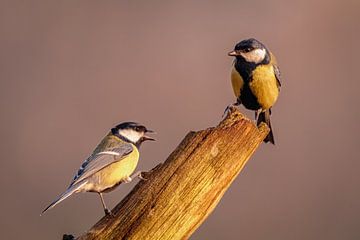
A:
x: 179, y: 194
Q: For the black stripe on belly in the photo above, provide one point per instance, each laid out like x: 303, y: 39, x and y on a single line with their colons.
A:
x: 245, y: 69
x: 248, y: 99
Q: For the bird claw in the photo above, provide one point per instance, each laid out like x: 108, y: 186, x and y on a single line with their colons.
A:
x: 228, y: 109
x: 141, y: 177
x: 108, y: 212
x: 139, y: 174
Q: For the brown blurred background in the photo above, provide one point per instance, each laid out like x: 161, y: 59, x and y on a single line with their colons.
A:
x: 70, y: 70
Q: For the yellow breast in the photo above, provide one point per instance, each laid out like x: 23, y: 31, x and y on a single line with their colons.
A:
x: 118, y: 171
x: 236, y: 81
x: 264, y: 86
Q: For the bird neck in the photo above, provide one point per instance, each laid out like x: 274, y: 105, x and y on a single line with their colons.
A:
x: 246, y: 68
x: 138, y: 144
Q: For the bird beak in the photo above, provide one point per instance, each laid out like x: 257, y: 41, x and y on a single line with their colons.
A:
x: 147, y: 137
x: 233, y: 53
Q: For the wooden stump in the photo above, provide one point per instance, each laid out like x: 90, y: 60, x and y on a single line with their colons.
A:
x: 179, y: 194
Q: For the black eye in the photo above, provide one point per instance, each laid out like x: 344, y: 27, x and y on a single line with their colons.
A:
x: 247, y: 49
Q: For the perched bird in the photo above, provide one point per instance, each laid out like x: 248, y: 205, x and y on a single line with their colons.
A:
x: 255, y: 79
x: 111, y: 163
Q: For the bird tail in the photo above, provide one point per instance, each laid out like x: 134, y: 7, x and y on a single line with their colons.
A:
x: 66, y: 194
x: 265, y: 117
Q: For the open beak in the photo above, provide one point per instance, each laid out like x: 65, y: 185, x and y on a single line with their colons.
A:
x: 233, y: 53
x: 147, y: 137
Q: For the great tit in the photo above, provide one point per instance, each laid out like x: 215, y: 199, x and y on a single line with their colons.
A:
x: 255, y: 79
x: 111, y: 163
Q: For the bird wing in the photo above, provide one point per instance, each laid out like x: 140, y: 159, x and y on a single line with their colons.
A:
x: 277, y: 75
x: 276, y: 70
x: 99, y: 160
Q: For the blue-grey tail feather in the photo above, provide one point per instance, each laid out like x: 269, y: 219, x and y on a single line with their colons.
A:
x: 66, y: 194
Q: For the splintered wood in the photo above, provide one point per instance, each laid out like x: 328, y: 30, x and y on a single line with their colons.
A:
x: 180, y: 193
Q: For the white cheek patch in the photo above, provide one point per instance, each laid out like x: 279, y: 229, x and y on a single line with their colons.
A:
x: 255, y: 56
x: 131, y: 135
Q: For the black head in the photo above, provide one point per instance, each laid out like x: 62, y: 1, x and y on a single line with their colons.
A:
x: 248, y: 45
x: 250, y: 50
x: 132, y: 132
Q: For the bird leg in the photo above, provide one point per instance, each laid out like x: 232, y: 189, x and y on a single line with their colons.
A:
x: 139, y: 175
x: 106, y: 210
x: 127, y: 179
x: 257, y: 113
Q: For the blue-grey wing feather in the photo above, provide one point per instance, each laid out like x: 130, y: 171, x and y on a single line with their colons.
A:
x: 277, y: 75
x: 100, y: 160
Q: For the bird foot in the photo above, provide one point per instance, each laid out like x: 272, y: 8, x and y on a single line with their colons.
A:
x: 108, y: 212
x: 139, y: 174
x: 228, y: 109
